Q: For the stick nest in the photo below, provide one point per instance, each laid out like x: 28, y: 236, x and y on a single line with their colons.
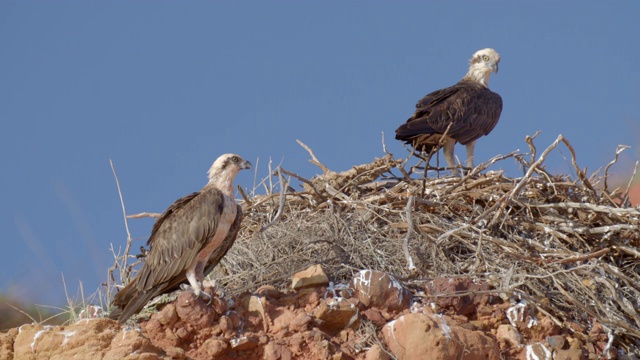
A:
x: 568, y: 246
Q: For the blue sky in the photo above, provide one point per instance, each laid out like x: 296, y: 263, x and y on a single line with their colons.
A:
x: 162, y: 88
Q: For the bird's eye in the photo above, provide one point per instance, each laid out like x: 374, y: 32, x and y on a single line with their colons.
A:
x: 485, y: 57
x: 234, y: 159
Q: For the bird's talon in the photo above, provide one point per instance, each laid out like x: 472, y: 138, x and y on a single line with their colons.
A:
x: 206, y: 295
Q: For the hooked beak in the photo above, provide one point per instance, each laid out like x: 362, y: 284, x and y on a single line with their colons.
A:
x: 246, y: 165
x: 494, y: 68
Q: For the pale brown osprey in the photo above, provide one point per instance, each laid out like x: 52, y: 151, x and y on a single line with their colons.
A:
x: 188, y: 240
x: 468, y: 109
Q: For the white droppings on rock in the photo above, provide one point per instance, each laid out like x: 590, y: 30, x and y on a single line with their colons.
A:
x: 531, y: 353
x: 446, y: 330
x: 38, y: 335
x: 67, y: 335
x: 234, y: 342
x: 396, y: 284
x: 416, y: 307
x: 516, y: 312
x: 364, y: 280
x: 354, y: 318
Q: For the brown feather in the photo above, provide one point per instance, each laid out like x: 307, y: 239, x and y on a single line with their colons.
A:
x: 470, y: 108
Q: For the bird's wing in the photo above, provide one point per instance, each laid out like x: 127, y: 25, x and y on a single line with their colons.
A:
x: 471, y: 110
x: 179, y: 236
x: 177, y: 205
x: 430, y: 115
x: 478, y: 116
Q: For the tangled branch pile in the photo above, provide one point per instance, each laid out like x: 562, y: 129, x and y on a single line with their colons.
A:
x: 556, y: 243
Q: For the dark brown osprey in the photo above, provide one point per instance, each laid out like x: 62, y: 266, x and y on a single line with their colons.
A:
x: 188, y: 240
x: 468, y: 109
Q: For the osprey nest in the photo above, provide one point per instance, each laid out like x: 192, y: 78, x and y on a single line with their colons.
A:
x: 555, y: 244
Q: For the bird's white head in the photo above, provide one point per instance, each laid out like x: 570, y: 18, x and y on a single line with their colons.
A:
x: 482, y: 64
x: 224, y: 171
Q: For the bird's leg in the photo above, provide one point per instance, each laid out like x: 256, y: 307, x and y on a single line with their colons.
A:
x: 196, y: 285
x: 470, y: 147
x: 449, y: 144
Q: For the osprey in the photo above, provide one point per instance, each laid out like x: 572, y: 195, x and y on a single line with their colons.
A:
x: 187, y: 241
x: 465, y: 112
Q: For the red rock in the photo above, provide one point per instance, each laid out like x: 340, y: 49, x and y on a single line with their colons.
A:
x: 175, y: 353
x: 245, y: 343
x: 213, y: 347
x: 225, y: 324
x: 556, y: 342
x: 277, y: 352
x: 548, y: 328
x: 219, y: 305
x: 569, y: 354
x: 300, y: 322
x: 376, y: 353
x: 194, y: 311
x: 576, y: 326
x: 281, y: 321
x: 423, y: 336
x: 182, y: 333
x: 268, y: 291
x: 297, y: 343
x: 375, y: 316
x: 256, y: 306
x: 312, y: 276
x: 375, y: 288
x: 167, y: 316
x: 334, y: 315
x: 507, y: 336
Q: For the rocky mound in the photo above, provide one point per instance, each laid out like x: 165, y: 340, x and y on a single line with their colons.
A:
x: 374, y: 317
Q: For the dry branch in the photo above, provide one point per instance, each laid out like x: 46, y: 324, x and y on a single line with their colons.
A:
x: 405, y: 248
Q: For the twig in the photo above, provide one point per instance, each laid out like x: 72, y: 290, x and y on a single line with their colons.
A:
x: 597, y: 230
x: 580, y: 172
x: 304, y: 181
x: 619, y: 150
x: 583, y: 257
x: 625, y: 198
x: 144, y: 215
x: 244, y: 196
x: 592, y: 207
x: 532, y: 147
x: 384, y: 146
x: 450, y: 232
x: 314, y: 160
x: 405, y: 246
x: 283, y: 193
x: 126, y: 225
